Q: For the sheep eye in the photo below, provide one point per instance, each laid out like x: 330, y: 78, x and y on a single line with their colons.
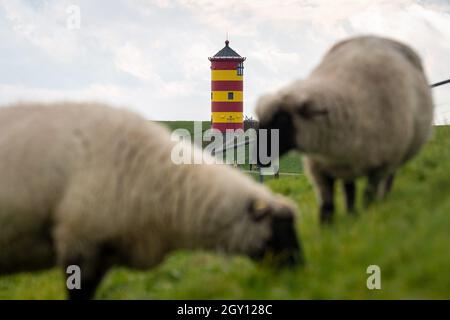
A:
x: 308, y: 111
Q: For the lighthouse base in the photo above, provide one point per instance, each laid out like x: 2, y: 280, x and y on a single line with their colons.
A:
x: 223, y: 127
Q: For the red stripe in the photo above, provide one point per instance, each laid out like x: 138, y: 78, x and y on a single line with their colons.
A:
x: 224, y: 126
x: 224, y: 65
x: 227, y: 106
x: 227, y: 85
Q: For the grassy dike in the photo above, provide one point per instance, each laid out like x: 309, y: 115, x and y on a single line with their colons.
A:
x: 407, y: 236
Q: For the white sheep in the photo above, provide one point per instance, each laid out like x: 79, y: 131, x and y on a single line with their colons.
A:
x: 364, y: 111
x: 92, y: 186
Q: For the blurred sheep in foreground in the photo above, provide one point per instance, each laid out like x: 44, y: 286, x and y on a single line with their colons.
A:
x: 92, y: 186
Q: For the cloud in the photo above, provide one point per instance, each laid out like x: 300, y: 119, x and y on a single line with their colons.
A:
x: 131, y: 60
x: 42, y: 27
x: 151, y: 55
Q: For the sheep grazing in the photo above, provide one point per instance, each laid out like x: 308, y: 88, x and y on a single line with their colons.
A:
x: 364, y: 111
x: 93, y: 186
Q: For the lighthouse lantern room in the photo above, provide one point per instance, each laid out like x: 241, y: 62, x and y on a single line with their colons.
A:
x: 227, y: 84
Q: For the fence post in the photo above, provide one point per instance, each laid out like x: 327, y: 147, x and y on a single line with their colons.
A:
x: 261, y: 177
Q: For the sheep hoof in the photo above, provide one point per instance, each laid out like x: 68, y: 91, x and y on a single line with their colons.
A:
x: 86, y: 292
x: 326, y: 213
x: 352, y: 212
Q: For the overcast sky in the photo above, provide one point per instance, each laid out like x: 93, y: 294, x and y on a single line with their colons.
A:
x: 151, y: 55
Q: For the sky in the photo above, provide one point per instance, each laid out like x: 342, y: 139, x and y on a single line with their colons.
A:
x: 151, y: 56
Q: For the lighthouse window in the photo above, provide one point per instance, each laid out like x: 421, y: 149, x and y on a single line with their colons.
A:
x: 240, y: 69
x: 230, y: 96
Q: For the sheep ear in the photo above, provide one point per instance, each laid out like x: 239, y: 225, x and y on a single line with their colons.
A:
x: 258, y: 210
x: 308, y: 110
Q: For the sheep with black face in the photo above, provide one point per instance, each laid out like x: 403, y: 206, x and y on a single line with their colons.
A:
x: 92, y: 186
x: 364, y: 111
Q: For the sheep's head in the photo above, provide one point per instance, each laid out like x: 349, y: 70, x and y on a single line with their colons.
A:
x: 266, y: 232
x: 283, y: 245
x: 291, y: 112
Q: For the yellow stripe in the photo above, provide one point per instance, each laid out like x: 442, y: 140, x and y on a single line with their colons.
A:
x: 224, y: 75
x: 227, y: 117
x: 222, y: 96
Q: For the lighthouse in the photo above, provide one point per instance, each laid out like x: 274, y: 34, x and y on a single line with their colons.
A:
x: 227, y: 88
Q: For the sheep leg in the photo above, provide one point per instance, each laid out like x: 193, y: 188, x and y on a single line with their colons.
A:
x: 350, y: 191
x: 324, y: 188
x: 88, y: 287
x: 93, y: 266
x: 385, y: 187
x: 91, y: 275
x: 326, y: 194
x: 388, y: 184
x: 375, y: 181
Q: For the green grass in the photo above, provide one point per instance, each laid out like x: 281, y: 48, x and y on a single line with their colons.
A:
x: 408, y: 236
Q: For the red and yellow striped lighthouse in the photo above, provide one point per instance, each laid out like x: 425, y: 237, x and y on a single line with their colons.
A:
x: 227, y: 84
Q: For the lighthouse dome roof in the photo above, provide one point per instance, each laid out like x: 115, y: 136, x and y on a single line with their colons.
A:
x: 227, y: 53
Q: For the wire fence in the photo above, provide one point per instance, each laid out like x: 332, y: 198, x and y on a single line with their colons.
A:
x: 444, y: 117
